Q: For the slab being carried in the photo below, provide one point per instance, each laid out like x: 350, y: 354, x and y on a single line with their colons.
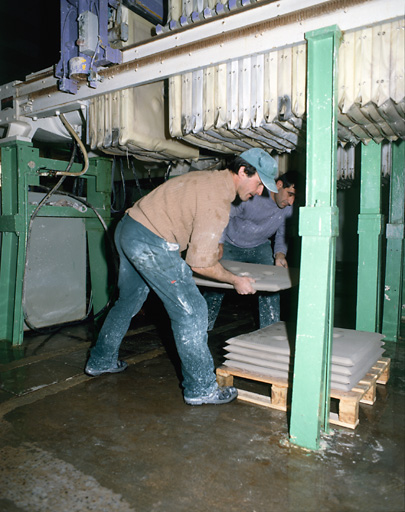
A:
x: 267, y: 277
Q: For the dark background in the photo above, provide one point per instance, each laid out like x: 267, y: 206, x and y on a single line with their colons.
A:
x: 29, y: 37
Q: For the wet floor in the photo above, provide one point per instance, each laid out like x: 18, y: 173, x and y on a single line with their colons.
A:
x: 127, y: 442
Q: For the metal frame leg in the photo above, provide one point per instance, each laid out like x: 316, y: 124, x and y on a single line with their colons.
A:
x: 394, y: 266
x: 98, y: 195
x: 319, y: 227
x: 370, y: 226
x: 17, y: 175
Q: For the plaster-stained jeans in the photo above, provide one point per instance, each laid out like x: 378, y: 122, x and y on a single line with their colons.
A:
x: 269, y: 303
x: 148, y: 261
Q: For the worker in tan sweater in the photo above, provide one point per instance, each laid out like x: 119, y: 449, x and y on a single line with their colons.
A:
x: 187, y: 213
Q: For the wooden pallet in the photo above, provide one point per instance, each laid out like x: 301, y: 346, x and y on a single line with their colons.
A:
x: 348, y: 416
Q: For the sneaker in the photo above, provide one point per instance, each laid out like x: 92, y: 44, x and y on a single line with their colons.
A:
x: 121, y: 366
x: 219, y: 396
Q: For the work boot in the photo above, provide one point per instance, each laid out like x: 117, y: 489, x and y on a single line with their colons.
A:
x: 121, y: 366
x: 219, y: 396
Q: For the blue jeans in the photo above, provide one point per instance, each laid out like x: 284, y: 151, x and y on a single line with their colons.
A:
x: 269, y: 303
x: 149, y: 262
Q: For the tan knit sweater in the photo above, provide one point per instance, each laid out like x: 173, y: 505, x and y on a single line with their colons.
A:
x: 190, y: 210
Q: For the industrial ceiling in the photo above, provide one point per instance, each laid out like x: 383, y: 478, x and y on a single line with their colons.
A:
x: 225, y: 77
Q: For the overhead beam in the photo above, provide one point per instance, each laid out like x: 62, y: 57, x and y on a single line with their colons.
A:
x: 260, y: 28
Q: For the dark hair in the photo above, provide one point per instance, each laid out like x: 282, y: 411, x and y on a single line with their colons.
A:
x: 238, y: 162
x: 291, y: 179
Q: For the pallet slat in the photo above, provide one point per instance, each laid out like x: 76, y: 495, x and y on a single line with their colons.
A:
x: 364, y: 391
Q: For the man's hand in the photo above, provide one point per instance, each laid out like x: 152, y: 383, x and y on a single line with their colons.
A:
x: 220, y: 251
x: 242, y: 284
x: 280, y: 260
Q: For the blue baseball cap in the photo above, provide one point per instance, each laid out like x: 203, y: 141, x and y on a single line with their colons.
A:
x: 265, y: 165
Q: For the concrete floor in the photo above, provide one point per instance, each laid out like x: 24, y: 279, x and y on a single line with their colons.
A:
x: 127, y: 442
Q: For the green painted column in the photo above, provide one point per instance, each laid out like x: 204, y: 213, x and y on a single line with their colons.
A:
x: 318, y: 225
x: 370, y: 226
x: 17, y: 161
x: 98, y: 194
x: 394, y: 267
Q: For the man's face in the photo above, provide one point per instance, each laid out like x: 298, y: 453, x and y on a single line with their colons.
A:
x: 285, y: 196
x: 248, y: 186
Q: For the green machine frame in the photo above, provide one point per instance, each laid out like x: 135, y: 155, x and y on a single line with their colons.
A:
x: 21, y: 165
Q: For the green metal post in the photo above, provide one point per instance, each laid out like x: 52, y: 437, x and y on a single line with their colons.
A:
x: 370, y: 228
x: 318, y: 227
x: 98, y: 195
x: 17, y: 175
x: 394, y: 267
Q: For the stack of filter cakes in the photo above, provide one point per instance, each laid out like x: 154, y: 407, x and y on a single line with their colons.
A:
x: 270, y: 351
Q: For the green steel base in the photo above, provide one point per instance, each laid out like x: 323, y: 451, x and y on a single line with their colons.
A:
x: 21, y: 168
